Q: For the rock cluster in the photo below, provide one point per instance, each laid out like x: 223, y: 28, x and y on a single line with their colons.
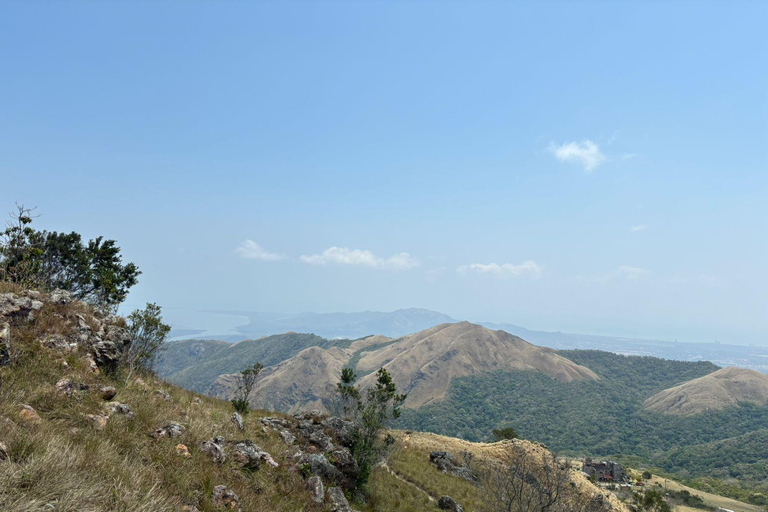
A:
x: 447, y: 463
x: 320, y: 450
x: 101, y: 335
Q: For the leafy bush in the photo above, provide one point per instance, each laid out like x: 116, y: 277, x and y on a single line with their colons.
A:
x: 92, y: 272
x: 148, y: 334
x: 246, y: 382
x: 370, y: 411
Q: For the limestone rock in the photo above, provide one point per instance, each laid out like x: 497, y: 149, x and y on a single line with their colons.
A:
x: 320, y: 466
x: 237, y: 420
x: 250, y: 456
x: 59, y: 343
x: 447, y: 463
x: 447, y: 503
x: 345, y: 462
x: 23, y: 307
x: 224, y: 498
x: 99, y: 421
x: 5, y: 344
x: 337, y: 500
x: 215, y: 448
x: 316, y: 490
x: 182, y: 450
x: 68, y: 387
x: 29, y: 415
x: 122, y: 409
x: 60, y: 297
x: 169, y: 430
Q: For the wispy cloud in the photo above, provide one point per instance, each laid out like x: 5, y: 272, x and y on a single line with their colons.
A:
x: 250, y: 250
x: 360, y: 257
x: 585, y: 153
x: 631, y: 273
x: 505, y: 270
x: 639, y: 227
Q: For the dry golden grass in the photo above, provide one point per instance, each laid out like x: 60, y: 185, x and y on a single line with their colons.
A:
x: 64, y: 463
x: 709, y: 499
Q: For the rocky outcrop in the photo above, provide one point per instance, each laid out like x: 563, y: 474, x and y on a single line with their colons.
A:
x: 447, y: 463
x: 448, y: 503
x: 79, y: 327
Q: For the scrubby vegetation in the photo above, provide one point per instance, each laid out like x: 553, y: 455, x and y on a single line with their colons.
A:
x: 45, y: 260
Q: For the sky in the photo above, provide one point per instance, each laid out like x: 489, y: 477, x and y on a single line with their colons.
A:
x: 594, y: 167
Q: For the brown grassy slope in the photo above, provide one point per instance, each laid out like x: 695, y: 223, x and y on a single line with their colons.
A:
x: 715, y: 391
x: 411, y: 462
x: 423, y: 364
x: 297, y: 384
x: 712, y: 500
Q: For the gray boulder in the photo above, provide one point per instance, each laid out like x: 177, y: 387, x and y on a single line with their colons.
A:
x: 68, y: 387
x: 316, y: 489
x: 250, y: 456
x: 122, y: 409
x: 320, y: 466
x: 447, y: 503
x: 337, y: 500
x: 215, y: 449
x: 237, y: 420
x: 223, y: 497
x: 60, y: 297
x: 5, y: 344
x: 169, y: 430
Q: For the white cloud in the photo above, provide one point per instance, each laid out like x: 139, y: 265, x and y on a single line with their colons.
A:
x: 632, y: 273
x: 585, y: 153
x: 505, y: 270
x: 250, y: 250
x: 640, y: 227
x: 360, y: 257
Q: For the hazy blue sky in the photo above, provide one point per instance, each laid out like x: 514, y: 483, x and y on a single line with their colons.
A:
x: 595, y: 167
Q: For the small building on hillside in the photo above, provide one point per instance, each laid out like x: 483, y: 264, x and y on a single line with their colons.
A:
x: 604, y: 471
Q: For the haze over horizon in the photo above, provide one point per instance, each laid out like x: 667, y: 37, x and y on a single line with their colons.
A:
x: 493, y: 162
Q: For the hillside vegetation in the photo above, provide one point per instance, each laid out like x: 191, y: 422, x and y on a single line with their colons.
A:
x: 713, y: 392
x: 196, y: 364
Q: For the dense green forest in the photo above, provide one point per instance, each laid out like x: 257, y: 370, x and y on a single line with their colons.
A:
x: 605, y: 418
x: 195, y: 364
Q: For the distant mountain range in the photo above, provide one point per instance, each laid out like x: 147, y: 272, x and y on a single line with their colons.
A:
x: 465, y: 380
x: 408, y: 321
